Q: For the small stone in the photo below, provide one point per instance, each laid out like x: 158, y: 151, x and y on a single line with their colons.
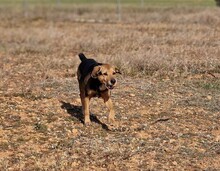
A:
x: 175, y: 163
x: 74, y: 132
x: 138, y: 103
x: 172, y: 140
x: 217, y: 138
x: 78, y: 100
x: 132, y: 95
x: 74, y: 164
x: 209, y: 97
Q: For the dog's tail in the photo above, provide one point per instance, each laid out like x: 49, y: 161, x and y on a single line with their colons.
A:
x: 82, y: 57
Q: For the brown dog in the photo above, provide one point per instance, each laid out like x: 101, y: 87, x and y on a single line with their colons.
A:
x: 96, y: 80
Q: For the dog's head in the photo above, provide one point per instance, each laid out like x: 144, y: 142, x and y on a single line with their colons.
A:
x: 105, y: 73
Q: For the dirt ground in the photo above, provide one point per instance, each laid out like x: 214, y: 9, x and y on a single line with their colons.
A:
x: 167, y: 100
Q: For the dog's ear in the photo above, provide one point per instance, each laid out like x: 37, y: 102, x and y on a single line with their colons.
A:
x: 96, y: 71
x: 117, y: 70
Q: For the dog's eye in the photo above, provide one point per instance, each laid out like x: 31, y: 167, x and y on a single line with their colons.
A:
x: 105, y: 73
x: 114, y: 73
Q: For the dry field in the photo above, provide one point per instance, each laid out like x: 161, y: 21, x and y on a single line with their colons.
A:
x: 167, y: 100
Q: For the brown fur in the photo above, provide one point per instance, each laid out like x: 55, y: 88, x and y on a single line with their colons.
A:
x: 96, y: 80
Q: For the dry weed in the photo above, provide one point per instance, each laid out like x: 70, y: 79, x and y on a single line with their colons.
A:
x: 167, y: 100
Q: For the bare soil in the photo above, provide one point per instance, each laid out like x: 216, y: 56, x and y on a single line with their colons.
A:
x: 167, y: 101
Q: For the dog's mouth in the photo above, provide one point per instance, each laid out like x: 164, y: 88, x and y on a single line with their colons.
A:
x: 111, y: 84
x: 106, y: 86
x: 110, y: 87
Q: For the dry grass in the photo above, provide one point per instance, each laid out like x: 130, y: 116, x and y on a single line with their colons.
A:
x: 167, y: 101
x: 162, y: 41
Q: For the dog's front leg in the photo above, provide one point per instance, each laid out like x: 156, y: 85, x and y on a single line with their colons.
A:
x: 111, y: 116
x: 85, y: 108
x: 109, y: 104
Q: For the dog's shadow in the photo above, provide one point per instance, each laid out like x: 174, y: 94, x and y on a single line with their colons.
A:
x: 76, y: 111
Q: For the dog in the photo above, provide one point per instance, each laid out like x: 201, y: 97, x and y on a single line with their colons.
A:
x: 96, y: 80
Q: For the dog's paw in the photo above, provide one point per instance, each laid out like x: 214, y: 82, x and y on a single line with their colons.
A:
x: 87, y: 123
x: 113, y: 125
x: 111, y: 121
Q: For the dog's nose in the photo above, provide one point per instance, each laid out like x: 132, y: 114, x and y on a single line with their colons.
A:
x: 113, y: 81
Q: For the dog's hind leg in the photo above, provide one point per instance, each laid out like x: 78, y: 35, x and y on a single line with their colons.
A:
x: 85, y: 109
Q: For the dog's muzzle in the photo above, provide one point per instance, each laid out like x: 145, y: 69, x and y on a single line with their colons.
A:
x: 111, y: 84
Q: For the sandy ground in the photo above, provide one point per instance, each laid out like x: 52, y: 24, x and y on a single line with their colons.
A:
x: 167, y: 99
